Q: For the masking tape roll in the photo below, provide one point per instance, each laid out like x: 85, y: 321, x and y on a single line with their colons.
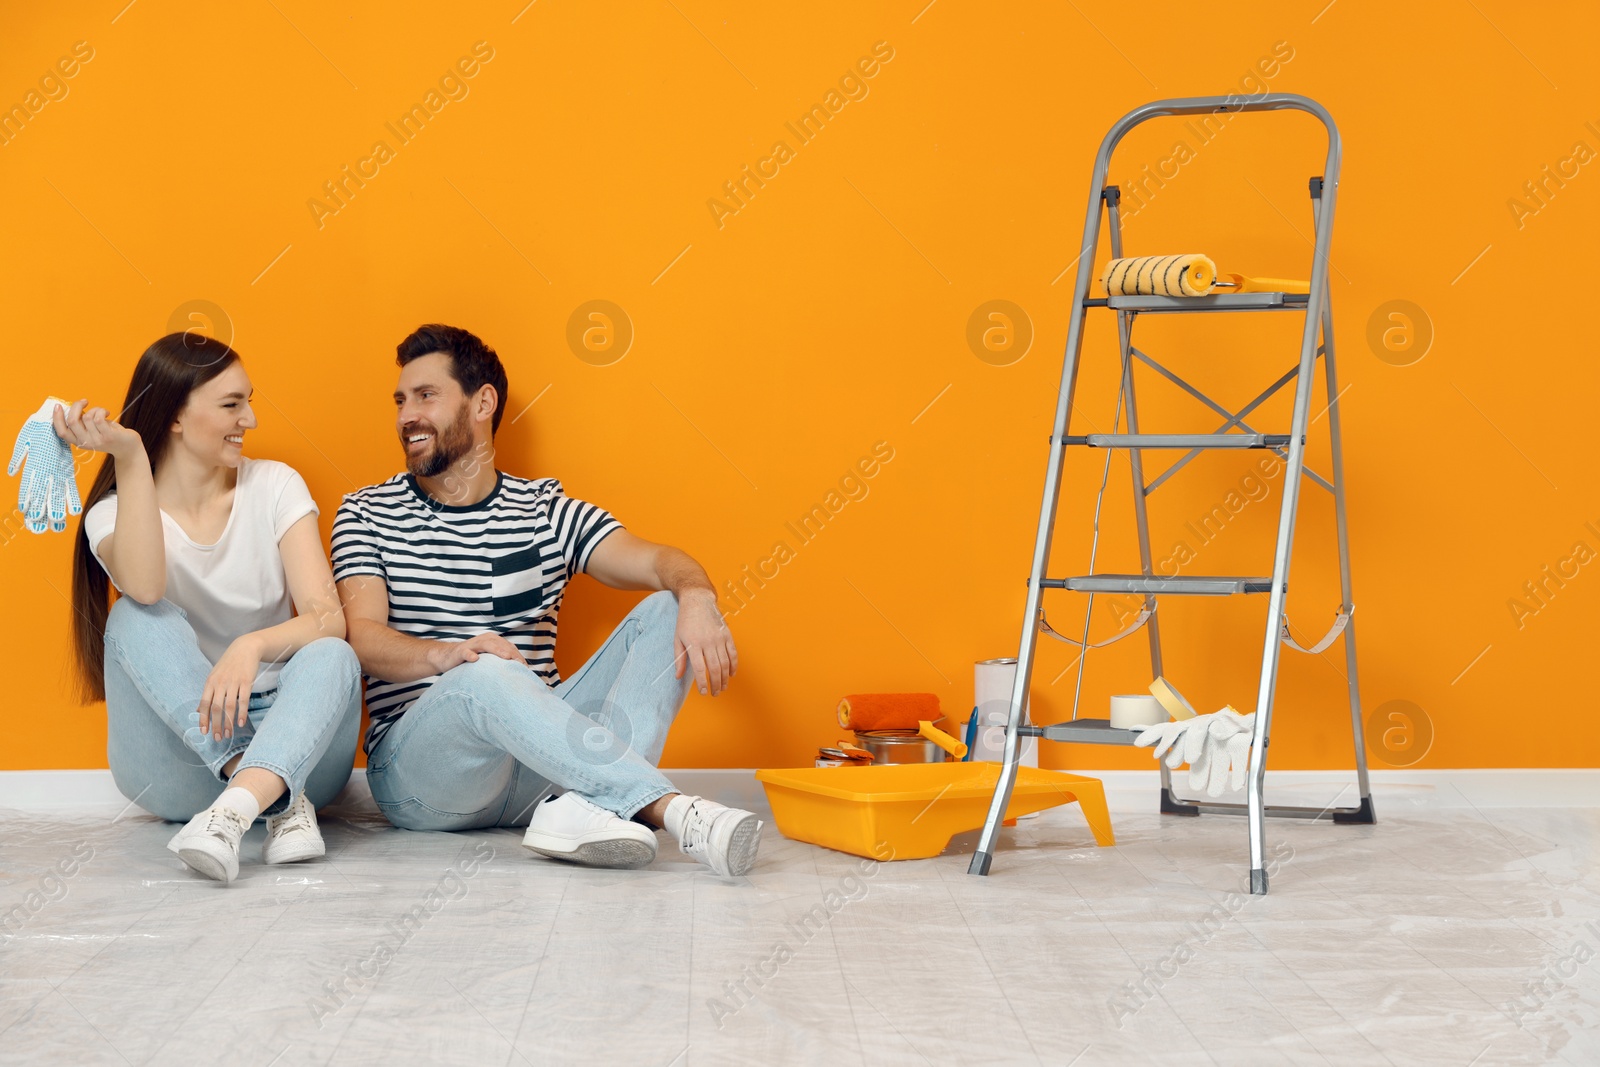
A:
x: 1136, y: 709
x: 1172, y: 700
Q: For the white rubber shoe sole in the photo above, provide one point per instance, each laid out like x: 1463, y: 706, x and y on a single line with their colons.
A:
x: 619, y: 849
x: 573, y: 828
x: 737, y: 855
x: 213, y: 863
x: 208, y: 844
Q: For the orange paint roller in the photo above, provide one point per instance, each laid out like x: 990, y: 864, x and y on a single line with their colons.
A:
x: 887, y: 711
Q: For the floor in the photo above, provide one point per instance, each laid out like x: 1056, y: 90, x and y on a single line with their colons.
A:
x: 1439, y: 936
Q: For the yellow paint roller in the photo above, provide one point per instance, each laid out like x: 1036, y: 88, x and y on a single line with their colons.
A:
x: 1189, y: 274
x: 1185, y: 274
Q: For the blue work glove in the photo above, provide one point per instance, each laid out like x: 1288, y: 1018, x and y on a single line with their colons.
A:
x: 49, y: 489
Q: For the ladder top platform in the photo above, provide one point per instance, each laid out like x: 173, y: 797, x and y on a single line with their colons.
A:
x: 1214, y: 302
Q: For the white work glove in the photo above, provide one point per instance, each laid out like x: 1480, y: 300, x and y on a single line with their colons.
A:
x: 1228, y: 737
x: 1180, y: 742
x: 1216, y: 747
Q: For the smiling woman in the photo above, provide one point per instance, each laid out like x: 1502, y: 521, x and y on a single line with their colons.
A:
x: 227, y: 612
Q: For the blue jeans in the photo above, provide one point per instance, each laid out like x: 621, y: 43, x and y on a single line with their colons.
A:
x: 155, y: 675
x: 489, y: 739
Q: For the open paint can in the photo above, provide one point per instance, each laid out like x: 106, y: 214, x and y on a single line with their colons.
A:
x: 899, y: 746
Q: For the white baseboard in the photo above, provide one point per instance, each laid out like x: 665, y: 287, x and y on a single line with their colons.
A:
x: 1394, y: 791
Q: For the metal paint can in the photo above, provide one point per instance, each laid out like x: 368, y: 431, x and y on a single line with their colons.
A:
x: 992, y: 680
x: 899, y: 746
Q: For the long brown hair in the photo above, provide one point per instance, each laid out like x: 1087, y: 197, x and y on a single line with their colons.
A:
x: 167, y: 373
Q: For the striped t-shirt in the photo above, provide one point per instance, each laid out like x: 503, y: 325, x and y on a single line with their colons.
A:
x: 498, y: 566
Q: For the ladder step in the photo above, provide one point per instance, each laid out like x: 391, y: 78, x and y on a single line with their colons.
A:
x: 1359, y: 814
x: 1192, y: 585
x: 1214, y: 302
x: 1179, y: 440
x: 1087, y: 732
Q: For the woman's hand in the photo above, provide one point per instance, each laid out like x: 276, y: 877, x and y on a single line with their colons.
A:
x: 225, y: 704
x: 94, y: 429
x: 703, y: 641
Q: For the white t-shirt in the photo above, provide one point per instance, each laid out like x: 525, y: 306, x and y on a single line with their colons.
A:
x: 236, y: 586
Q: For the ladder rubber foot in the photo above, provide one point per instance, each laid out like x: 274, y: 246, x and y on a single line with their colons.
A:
x: 980, y: 863
x: 1172, y: 807
x: 1258, y: 883
x: 1362, y: 816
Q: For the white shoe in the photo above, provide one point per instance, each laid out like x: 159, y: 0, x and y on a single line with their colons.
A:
x: 209, y: 843
x: 724, y: 839
x: 571, y: 827
x: 293, y: 835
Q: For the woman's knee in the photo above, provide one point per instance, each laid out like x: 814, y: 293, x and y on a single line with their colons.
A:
x: 172, y: 793
x: 130, y: 621
x: 331, y: 656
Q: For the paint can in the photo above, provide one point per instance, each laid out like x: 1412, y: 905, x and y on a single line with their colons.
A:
x: 992, y: 682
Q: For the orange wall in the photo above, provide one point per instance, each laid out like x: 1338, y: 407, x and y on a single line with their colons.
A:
x: 776, y: 345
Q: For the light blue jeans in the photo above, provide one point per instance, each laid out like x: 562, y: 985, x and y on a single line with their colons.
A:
x: 155, y: 675
x: 489, y: 739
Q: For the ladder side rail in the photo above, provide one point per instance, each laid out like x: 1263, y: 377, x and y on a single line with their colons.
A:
x: 1316, y: 305
x: 1141, y: 494
x: 1011, y: 753
x: 1346, y: 591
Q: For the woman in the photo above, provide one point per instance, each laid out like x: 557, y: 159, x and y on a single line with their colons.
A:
x: 222, y: 704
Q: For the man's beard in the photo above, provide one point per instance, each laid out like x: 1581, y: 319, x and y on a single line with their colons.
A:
x: 449, y: 444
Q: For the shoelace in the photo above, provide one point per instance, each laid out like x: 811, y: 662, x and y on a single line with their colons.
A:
x: 296, y: 818
x: 696, y: 828
x: 225, y: 822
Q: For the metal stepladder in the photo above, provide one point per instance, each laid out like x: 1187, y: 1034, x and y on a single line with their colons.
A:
x: 1318, y: 315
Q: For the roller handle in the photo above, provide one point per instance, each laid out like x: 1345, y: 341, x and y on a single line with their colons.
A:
x: 942, y: 739
x: 1240, y: 283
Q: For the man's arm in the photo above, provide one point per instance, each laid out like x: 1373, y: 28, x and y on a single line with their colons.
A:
x: 702, y: 641
x: 624, y: 561
x: 392, y: 656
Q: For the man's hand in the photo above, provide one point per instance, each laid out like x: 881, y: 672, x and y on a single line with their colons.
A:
x: 703, y: 641
x: 447, y: 654
x: 225, y: 703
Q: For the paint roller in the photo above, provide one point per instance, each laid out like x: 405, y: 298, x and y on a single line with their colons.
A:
x: 1185, y: 274
x: 887, y: 711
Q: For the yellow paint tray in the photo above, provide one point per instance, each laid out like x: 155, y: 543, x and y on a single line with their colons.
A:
x: 909, y: 811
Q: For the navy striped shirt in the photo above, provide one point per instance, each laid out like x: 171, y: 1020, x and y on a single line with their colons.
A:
x: 498, y: 566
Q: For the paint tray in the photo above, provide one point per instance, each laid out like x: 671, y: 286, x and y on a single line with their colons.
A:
x: 911, y: 810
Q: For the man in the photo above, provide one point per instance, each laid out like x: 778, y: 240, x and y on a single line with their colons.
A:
x: 452, y: 576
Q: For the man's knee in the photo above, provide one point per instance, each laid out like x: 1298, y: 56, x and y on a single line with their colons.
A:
x: 661, y: 604
x: 487, y: 676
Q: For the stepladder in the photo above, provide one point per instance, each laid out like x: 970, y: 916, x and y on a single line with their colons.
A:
x: 1234, y: 429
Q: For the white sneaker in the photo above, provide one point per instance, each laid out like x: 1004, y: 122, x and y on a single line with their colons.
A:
x: 209, y: 843
x: 724, y: 839
x: 573, y: 828
x: 293, y: 835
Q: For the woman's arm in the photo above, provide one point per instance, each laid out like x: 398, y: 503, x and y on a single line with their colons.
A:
x: 135, y: 551
x: 316, y: 601
x: 225, y: 703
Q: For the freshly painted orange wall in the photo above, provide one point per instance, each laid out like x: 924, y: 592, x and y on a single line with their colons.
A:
x: 776, y: 345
